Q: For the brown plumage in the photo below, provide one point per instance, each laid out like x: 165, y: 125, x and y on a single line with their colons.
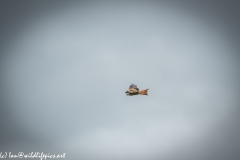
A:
x: 133, y: 90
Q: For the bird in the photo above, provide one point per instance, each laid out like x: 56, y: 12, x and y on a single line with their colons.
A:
x: 133, y: 90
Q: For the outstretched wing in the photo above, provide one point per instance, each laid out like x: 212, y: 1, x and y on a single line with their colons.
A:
x: 133, y: 88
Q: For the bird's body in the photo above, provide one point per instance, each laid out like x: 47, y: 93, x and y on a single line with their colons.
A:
x: 133, y: 90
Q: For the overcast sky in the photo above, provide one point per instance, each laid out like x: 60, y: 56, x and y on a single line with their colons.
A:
x: 65, y: 67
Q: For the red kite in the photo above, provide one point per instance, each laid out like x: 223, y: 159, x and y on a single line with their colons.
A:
x: 133, y: 90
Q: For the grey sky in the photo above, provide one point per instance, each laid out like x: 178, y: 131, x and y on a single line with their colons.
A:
x: 65, y: 68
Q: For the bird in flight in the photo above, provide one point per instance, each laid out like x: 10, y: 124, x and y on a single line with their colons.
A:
x: 133, y: 90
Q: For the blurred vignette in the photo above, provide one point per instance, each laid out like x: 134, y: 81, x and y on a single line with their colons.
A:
x: 65, y: 66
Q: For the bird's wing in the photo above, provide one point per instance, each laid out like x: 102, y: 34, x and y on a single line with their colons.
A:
x: 133, y: 90
x: 133, y: 86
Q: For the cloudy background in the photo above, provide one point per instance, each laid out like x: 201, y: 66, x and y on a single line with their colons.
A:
x: 65, y: 66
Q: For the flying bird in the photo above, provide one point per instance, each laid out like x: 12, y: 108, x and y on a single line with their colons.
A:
x: 133, y: 90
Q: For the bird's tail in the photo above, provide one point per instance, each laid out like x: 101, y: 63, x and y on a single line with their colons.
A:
x: 143, y: 92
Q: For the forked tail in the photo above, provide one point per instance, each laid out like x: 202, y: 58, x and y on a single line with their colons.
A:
x: 143, y: 92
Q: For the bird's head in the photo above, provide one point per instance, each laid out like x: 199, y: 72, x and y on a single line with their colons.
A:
x: 127, y: 93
